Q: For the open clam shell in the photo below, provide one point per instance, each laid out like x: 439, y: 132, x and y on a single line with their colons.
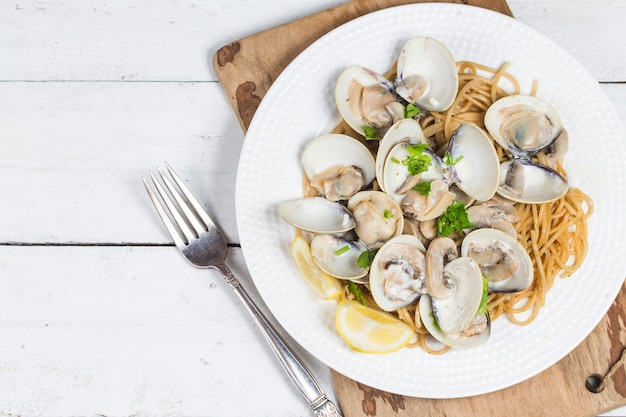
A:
x: 326, y: 155
x: 362, y: 97
x: 501, y: 258
x: 317, y: 215
x: 397, y: 273
x: 523, y: 124
x: 338, y: 256
x: 427, y: 74
x: 525, y: 181
x: 459, y: 340
x: 477, y: 171
x: 406, y: 131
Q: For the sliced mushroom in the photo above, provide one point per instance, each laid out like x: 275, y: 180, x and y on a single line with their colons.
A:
x: 440, y: 251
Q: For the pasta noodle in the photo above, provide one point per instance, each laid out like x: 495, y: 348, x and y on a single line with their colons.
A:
x: 554, y: 234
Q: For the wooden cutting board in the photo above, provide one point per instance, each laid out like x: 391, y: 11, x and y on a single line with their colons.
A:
x: 246, y: 69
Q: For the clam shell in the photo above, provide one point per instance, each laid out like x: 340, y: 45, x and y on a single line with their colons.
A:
x: 378, y: 278
x: 478, y: 171
x: 515, y: 122
x: 317, y: 215
x: 334, y: 149
x: 524, y: 181
x: 484, y: 238
x: 429, y: 61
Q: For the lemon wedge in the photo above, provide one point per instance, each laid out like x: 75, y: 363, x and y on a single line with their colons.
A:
x: 325, y: 286
x: 371, y: 331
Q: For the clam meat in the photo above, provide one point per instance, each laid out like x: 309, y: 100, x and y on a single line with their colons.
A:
x: 366, y: 98
x: 397, y: 273
x: 338, y: 256
x: 427, y: 74
x: 523, y: 124
x: 501, y: 258
x: 338, y: 166
x: 377, y: 217
x: 525, y: 181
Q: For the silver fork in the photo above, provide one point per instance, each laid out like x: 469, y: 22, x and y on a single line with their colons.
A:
x: 201, y: 243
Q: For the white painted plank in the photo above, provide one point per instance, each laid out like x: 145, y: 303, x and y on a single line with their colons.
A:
x: 139, y: 332
x: 592, y: 31
x: 122, y: 41
x: 169, y: 40
x: 73, y: 155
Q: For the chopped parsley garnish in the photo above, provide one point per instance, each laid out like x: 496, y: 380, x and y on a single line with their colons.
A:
x: 411, y: 111
x: 435, y: 324
x: 354, y: 289
x: 341, y: 250
x: 371, y: 133
x: 484, y: 308
x: 423, y: 188
x: 449, y: 160
x: 388, y: 214
x: 365, y: 258
x: 395, y: 160
x: 417, y: 161
x: 454, y: 219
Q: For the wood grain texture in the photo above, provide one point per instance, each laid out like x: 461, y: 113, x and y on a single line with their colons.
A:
x: 246, y: 73
x: 558, y: 391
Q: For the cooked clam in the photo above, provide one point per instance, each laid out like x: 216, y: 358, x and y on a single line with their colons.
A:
x: 523, y: 124
x: 366, y: 98
x: 377, y: 217
x: 338, y: 256
x: 317, y: 215
x: 397, y: 273
x: 464, y: 290
x: 397, y: 179
x: 338, y: 166
x: 427, y: 74
x: 528, y: 182
x: 475, y: 169
x: 427, y: 207
x: 407, y: 131
x: 477, y: 332
x: 501, y: 258
x: 497, y: 213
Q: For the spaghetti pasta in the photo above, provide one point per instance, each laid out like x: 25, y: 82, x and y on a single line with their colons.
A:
x: 554, y: 234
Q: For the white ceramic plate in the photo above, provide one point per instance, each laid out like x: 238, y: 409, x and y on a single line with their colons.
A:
x: 300, y: 106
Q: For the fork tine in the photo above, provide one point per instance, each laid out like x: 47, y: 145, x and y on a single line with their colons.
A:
x: 180, y: 222
x: 178, y: 241
x: 191, y: 217
x: 192, y: 200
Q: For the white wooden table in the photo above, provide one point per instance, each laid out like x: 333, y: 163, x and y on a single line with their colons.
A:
x: 99, y: 314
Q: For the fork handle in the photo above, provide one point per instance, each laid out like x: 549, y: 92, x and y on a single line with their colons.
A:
x: 296, y: 369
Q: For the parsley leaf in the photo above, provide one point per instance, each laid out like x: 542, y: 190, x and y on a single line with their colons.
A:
x: 449, y: 160
x: 388, y: 214
x: 365, y: 258
x: 411, y: 111
x: 423, y: 188
x: 354, y: 289
x: 454, y: 219
x: 417, y: 161
x: 435, y: 324
x: 484, y: 308
x: 371, y: 133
